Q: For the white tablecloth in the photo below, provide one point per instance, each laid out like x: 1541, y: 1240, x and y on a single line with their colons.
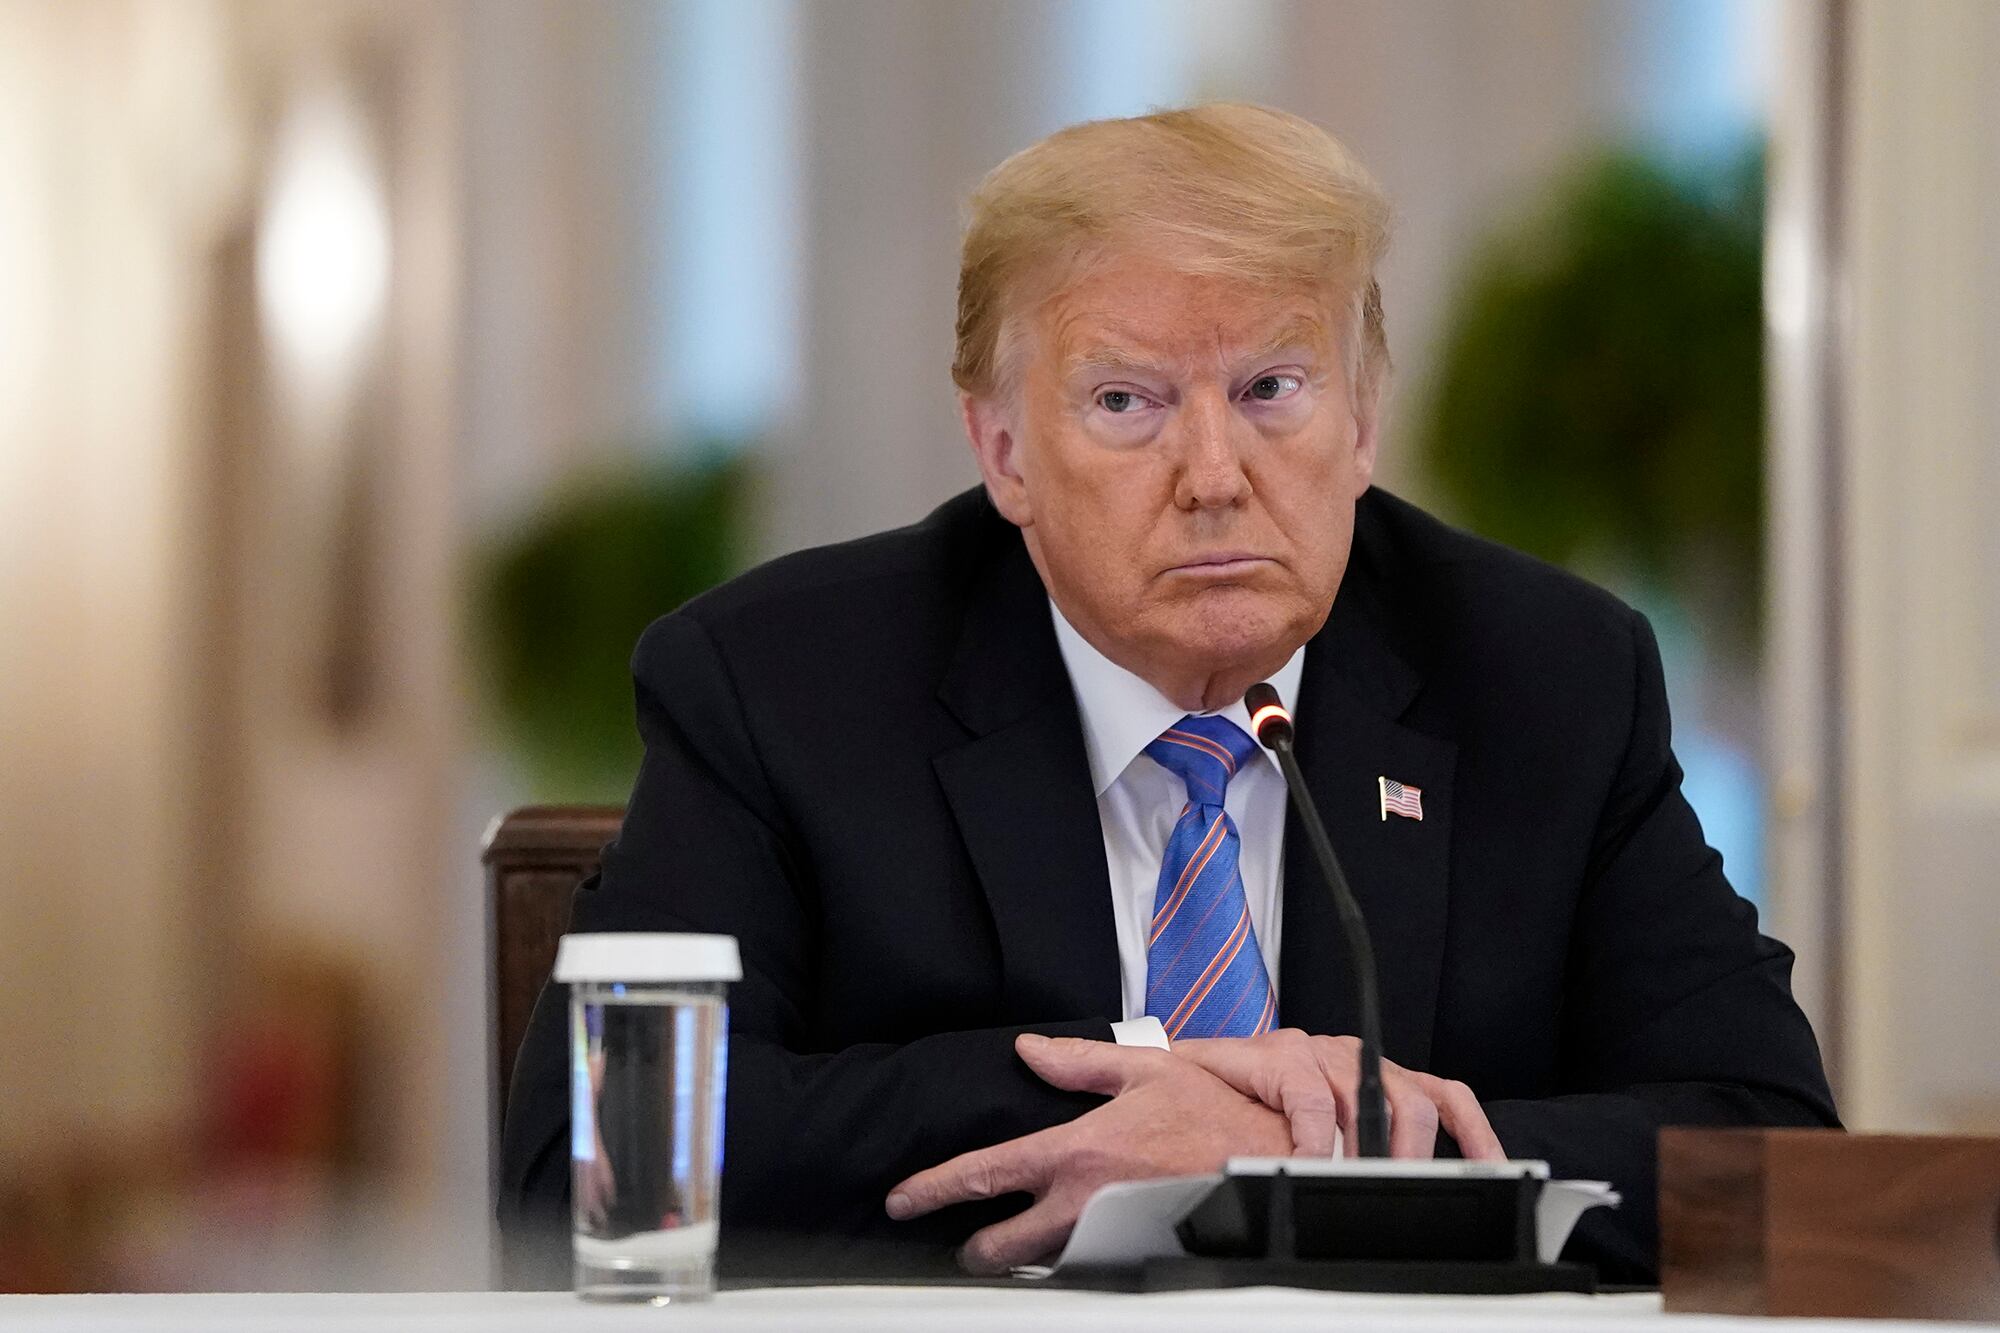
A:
x: 956, y: 1309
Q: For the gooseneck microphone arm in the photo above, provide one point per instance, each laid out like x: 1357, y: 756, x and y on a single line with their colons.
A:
x: 1272, y: 724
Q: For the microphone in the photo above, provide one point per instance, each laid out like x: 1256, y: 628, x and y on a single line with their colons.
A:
x: 1271, y: 722
x: 1369, y: 1225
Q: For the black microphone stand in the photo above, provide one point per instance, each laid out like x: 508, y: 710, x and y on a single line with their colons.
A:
x: 1373, y: 1225
x: 1371, y: 1110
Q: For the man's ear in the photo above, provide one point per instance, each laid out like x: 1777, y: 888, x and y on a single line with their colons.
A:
x: 989, y: 427
x: 1367, y: 433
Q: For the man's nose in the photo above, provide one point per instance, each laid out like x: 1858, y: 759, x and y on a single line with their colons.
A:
x: 1212, y: 475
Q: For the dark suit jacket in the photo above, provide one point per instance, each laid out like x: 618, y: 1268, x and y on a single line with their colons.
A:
x: 865, y: 763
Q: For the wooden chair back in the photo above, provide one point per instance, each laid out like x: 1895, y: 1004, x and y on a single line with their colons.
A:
x: 535, y: 857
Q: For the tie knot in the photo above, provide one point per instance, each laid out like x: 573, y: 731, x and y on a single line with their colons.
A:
x: 1204, y: 753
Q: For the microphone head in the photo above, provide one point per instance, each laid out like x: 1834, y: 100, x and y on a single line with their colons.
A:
x: 1270, y: 720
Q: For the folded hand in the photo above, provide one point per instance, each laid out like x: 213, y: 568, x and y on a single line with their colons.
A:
x: 1166, y: 1117
x: 1312, y: 1080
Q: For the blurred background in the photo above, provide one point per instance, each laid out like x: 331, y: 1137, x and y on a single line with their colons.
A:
x: 372, y: 372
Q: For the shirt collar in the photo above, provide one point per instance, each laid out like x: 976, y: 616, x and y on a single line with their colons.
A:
x: 1123, y: 714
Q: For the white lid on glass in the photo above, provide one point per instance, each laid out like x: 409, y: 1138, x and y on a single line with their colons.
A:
x: 632, y: 956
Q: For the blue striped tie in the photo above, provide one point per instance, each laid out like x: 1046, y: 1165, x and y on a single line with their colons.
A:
x: 1204, y: 972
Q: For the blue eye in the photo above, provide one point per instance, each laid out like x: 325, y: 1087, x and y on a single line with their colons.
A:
x: 1118, y: 400
x: 1269, y: 388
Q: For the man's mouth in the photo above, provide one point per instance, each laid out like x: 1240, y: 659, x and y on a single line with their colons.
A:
x: 1221, y: 564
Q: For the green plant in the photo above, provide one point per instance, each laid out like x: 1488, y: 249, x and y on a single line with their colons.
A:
x: 562, y: 600
x: 1599, y: 396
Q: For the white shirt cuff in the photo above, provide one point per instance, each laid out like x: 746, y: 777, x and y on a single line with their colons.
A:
x: 1141, y: 1032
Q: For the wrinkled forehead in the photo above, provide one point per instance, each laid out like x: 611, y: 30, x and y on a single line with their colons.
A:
x: 1144, y: 314
x: 1092, y: 340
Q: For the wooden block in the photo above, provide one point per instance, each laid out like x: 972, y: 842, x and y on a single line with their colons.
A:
x: 1816, y: 1222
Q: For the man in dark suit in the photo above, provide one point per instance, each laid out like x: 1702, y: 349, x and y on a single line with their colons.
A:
x: 984, y: 782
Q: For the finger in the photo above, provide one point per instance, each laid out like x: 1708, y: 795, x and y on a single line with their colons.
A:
x: 1036, y: 1233
x: 1340, y: 1067
x: 1238, y: 1061
x: 1075, y: 1064
x: 1413, y: 1118
x: 1312, y: 1111
x: 1264, y: 1068
x: 1464, y: 1119
x: 1283, y: 1075
x: 1018, y: 1164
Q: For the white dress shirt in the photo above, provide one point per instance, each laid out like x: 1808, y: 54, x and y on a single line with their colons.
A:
x: 1139, y: 801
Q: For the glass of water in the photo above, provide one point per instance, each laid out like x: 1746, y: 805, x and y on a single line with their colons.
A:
x: 649, y: 1026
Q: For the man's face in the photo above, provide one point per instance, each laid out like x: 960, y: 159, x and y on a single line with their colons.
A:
x: 1183, y: 456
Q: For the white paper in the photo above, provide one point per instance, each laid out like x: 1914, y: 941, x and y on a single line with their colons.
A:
x: 1561, y: 1204
x: 1131, y: 1221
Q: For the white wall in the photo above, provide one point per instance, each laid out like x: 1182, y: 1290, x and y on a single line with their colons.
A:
x: 179, y: 810
x: 1920, y: 566
x: 97, y: 260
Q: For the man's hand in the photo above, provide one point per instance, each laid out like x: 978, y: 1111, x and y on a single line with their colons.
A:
x: 1166, y: 1117
x: 1312, y: 1080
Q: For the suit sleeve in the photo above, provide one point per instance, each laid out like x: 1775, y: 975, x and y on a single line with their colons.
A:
x: 1677, y: 1012
x: 814, y: 1138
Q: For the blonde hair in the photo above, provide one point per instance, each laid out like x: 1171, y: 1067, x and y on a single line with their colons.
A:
x: 1224, y: 188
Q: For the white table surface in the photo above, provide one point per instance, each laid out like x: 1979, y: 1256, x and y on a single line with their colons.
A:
x: 957, y: 1309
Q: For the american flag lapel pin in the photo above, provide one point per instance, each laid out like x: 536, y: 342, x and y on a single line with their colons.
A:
x: 1400, y: 799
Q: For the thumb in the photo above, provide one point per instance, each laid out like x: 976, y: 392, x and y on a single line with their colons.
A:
x: 1075, y: 1064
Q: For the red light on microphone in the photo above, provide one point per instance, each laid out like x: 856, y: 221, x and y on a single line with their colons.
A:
x: 1270, y: 720
x: 1267, y: 712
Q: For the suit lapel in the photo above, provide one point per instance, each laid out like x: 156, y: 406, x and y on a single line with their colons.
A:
x: 1020, y: 792
x: 1353, y: 691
